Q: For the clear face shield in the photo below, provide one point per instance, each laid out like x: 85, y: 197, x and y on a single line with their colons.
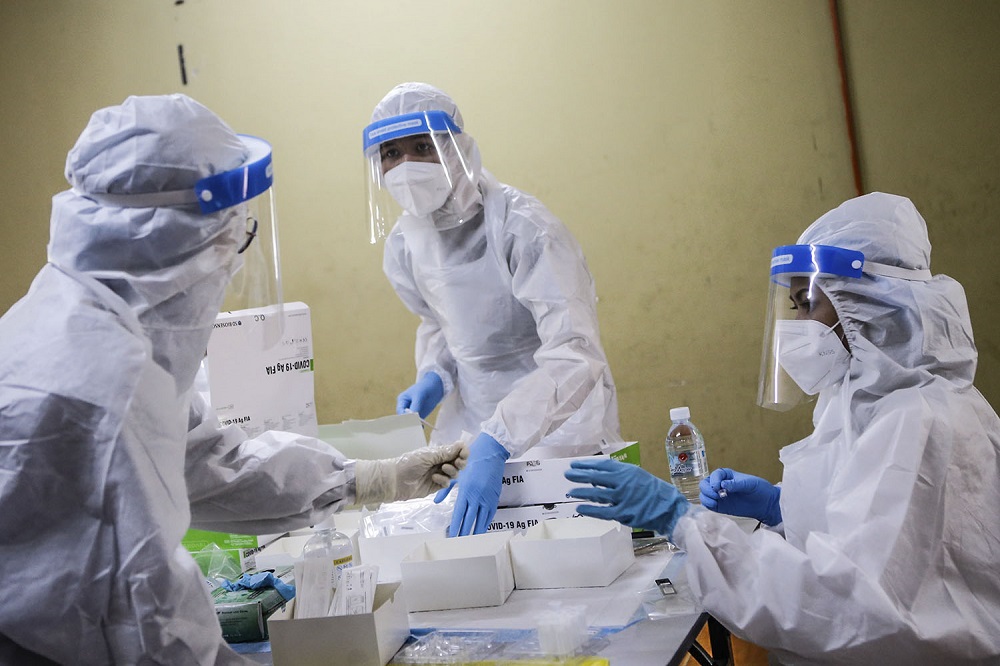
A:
x: 247, y: 192
x: 794, y: 299
x: 415, y: 163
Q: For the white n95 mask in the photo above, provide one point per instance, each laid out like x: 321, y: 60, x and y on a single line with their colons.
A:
x: 811, y: 353
x: 419, y: 187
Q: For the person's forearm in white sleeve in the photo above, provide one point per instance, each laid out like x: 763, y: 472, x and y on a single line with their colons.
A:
x: 284, y: 480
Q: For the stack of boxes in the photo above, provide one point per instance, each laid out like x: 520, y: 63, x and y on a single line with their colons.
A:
x: 260, y: 378
x: 535, y: 489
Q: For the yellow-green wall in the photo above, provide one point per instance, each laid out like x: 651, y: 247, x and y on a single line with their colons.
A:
x: 679, y: 141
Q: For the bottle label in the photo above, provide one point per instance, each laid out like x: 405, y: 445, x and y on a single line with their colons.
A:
x: 687, y: 463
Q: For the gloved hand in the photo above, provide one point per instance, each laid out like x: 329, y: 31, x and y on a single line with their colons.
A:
x: 260, y: 580
x: 478, y: 487
x: 745, y: 495
x: 633, y: 496
x: 416, y: 473
x: 422, y: 397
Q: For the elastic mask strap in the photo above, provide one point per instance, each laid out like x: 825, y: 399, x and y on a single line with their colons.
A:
x: 916, y: 274
x: 842, y: 336
x: 142, y: 200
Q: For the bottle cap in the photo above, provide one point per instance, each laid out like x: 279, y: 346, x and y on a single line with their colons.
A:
x: 680, y: 413
x: 328, y: 523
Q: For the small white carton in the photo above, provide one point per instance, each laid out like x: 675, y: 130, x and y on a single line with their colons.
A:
x: 571, y: 552
x: 387, y: 552
x: 542, y: 481
x: 536, y: 481
x: 370, y: 639
x: 262, y: 383
x: 463, y: 572
x: 523, y: 517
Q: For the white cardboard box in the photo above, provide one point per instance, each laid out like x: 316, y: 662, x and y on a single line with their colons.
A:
x: 573, y: 552
x: 462, y: 572
x: 522, y: 517
x: 541, y: 481
x: 536, y: 481
x: 387, y: 552
x: 261, y: 383
x: 370, y: 639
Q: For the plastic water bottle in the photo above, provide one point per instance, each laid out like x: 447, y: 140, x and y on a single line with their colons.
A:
x: 686, y: 453
x: 332, y: 545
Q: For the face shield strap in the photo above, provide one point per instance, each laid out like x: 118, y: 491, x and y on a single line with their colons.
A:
x: 212, y: 193
x: 141, y: 200
x: 885, y: 270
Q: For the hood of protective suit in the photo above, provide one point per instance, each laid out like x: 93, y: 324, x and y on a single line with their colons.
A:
x: 902, y: 332
x: 890, y: 507
x: 466, y: 198
x: 170, y: 264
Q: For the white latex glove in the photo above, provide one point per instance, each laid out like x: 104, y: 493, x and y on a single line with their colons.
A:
x: 416, y: 473
x: 449, y: 470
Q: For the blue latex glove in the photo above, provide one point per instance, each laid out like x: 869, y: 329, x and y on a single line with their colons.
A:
x: 633, y: 496
x: 261, y: 579
x: 745, y: 495
x: 479, y: 487
x: 422, y: 397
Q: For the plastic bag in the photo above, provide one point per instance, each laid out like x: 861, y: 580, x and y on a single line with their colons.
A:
x: 408, y: 517
x: 216, y: 563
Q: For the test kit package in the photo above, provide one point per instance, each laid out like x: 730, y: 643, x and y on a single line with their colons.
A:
x: 367, y: 639
x: 260, y: 383
x: 243, y: 614
x: 541, y: 481
x: 522, y: 517
x: 582, y: 552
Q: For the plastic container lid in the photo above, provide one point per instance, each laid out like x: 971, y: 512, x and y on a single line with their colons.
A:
x: 680, y: 413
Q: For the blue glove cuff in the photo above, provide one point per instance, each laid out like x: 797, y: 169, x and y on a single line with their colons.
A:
x: 773, y: 516
x: 489, y: 448
x: 433, y: 382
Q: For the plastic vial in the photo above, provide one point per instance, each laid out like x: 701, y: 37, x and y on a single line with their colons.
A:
x: 686, y: 453
x: 329, y: 543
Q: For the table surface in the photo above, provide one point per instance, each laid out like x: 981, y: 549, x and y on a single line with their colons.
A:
x: 631, y: 623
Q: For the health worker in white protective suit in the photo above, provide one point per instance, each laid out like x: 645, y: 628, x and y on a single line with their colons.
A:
x: 105, y: 457
x: 883, y: 544
x: 508, y: 335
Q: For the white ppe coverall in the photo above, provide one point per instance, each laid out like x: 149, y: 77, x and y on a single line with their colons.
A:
x: 891, y: 508
x: 508, y: 312
x: 104, y: 457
